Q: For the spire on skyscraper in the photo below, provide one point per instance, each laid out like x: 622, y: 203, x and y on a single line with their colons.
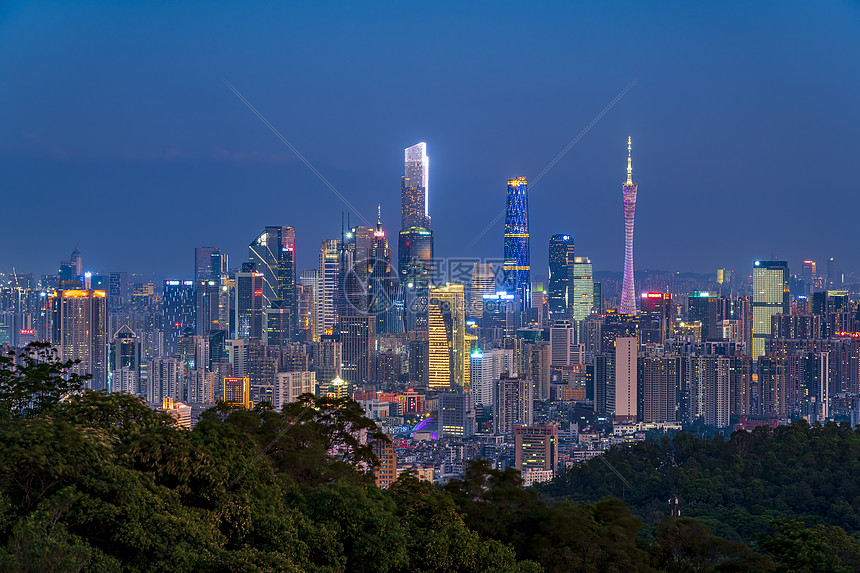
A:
x: 629, y: 162
x: 379, y: 217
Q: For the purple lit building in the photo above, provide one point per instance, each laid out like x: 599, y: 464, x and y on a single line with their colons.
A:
x: 628, y: 297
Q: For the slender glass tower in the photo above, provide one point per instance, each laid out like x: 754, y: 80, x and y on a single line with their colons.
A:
x: 517, y: 266
x: 415, y: 245
x: 628, y: 297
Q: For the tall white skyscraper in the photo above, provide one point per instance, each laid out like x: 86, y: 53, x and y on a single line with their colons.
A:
x: 770, y: 296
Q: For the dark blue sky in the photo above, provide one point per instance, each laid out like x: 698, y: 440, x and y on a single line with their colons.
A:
x: 119, y: 135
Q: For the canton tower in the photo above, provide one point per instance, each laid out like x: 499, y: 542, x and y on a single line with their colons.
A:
x: 628, y: 297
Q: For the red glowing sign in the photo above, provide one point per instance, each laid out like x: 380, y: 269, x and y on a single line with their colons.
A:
x: 26, y: 331
x: 654, y: 295
x: 258, y: 292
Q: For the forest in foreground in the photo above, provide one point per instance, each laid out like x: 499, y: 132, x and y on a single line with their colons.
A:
x: 97, y: 482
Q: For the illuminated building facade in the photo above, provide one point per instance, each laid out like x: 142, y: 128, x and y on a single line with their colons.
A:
x: 581, y: 289
x: 328, y: 285
x: 273, y: 255
x: 536, y: 448
x: 456, y: 414
x: 448, y: 353
x: 656, y: 318
x: 248, y: 305
x: 517, y: 264
x: 483, y: 282
x: 560, y: 271
x: 237, y: 392
x: 628, y: 296
x: 179, y: 305
x: 414, y: 210
x: 770, y: 297
x: 80, y: 332
x: 358, y: 339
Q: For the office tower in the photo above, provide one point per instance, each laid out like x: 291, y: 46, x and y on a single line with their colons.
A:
x: 561, y: 262
x: 308, y: 304
x: 626, y: 378
x: 456, y: 414
x: 628, y: 296
x: 358, y: 339
x: 261, y: 369
x: 770, y: 296
x: 237, y: 392
x: 512, y: 403
x: 703, y: 307
x: 118, y: 291
x: 562, y: 337
x: 487, y: 367
x: 381, y: 283
x: 208, y: 304
x: 278, y: 321
x: 248, y: 304
x: 661, y: 383
x: 80, y: 332
x: 178, y: 304
x: 73, y: 269
x: 499, y: 316
x: 415, y: 262
x: 209, y: 263
x: 517, y: 260
x: 581, y: 289
x: 483, y: 283
x: 414, y: 211
x: 273, y: 255
x: 616, y: 325
x: 536, y: 448
x: 598, y: 298
x: 656, y: 318
x: 124, y: 362
x: 329, y: 273
x: 448, y: 353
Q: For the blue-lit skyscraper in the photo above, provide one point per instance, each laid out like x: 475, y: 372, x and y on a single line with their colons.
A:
x: 517, y: 261
x: 415, y: 246
x: 559, y: 289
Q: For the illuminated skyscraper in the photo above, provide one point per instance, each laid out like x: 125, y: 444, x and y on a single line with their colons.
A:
x: 414, y: 210
x: 80, y: 332
x: 517, y: 266
x: 179, y: 307
x: 449, y: 355
x: 483, y: 282
x: 580, y: 299
x: 329, y: 273
x: 770, y: 296
x: 559, y: 289
x: 415, y: 247
x: 273, y: 254
x: 209, y: 263
x: 248, y: 305
x: 628, y: 297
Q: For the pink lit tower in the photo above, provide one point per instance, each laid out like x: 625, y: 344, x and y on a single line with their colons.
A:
x: 628, y: 297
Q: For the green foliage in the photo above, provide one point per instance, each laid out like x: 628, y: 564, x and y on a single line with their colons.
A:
x: 736, y: 487
x: 33, y: 380
x: 98, y: 482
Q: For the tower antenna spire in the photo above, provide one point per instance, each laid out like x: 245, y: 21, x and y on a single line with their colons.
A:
x: 629, y: 163
x: 379, y: 217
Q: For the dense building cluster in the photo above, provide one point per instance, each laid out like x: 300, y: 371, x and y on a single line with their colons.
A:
x: 459, y: 358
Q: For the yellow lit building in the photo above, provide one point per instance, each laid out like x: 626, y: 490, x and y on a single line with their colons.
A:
x: 237, y: 391
x: 448, y: 351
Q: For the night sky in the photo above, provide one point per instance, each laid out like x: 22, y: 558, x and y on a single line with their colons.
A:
x: 120, y: 136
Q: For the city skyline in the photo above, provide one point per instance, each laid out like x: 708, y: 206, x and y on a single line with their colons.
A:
x: 135, y: 127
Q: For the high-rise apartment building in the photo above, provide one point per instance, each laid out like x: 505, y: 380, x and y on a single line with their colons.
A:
x: 626, y: 378
x: 512, y: 404
x: 517, y: 265
x: 536, y: 448
x: 559, y: 288
x: 770, y: 297
x: 628, y: 294
x: 456, y: 414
